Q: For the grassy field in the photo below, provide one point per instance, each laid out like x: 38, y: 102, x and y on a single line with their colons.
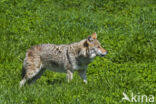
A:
x: 126, y: 28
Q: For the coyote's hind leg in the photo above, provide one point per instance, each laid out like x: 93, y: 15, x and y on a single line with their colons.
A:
x: 37, y: 76
x: 32, y: 70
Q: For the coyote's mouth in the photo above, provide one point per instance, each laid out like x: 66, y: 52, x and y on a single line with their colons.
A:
x: 103, y: 54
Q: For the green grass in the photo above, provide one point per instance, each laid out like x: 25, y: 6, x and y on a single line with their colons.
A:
x: 126, y: 28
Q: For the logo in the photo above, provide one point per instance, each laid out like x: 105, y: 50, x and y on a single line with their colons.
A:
x: 138, y: 98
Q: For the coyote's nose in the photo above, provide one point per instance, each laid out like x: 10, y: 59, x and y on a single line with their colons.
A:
x: 103, y: 54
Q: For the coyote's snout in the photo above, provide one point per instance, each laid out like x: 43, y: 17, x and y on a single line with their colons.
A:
x: 61, y: 58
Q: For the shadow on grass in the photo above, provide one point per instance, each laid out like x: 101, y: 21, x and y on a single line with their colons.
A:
x: 56, y: 81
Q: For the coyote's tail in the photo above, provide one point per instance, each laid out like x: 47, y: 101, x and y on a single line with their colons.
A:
x: 23, y: 72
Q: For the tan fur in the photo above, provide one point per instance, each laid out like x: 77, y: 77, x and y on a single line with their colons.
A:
x: 61, y: 58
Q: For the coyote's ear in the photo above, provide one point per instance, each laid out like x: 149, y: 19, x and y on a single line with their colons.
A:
x: 92, y: 37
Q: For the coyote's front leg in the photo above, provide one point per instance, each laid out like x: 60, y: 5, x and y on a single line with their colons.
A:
x: 82, y: 74
x: 69, y: 75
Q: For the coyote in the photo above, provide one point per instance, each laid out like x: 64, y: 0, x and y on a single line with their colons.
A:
x: 61, y: 58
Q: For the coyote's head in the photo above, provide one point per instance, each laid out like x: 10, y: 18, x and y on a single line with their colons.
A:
x: 94, y: 46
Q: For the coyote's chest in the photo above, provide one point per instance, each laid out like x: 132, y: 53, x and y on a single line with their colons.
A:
x: 81, y: 62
